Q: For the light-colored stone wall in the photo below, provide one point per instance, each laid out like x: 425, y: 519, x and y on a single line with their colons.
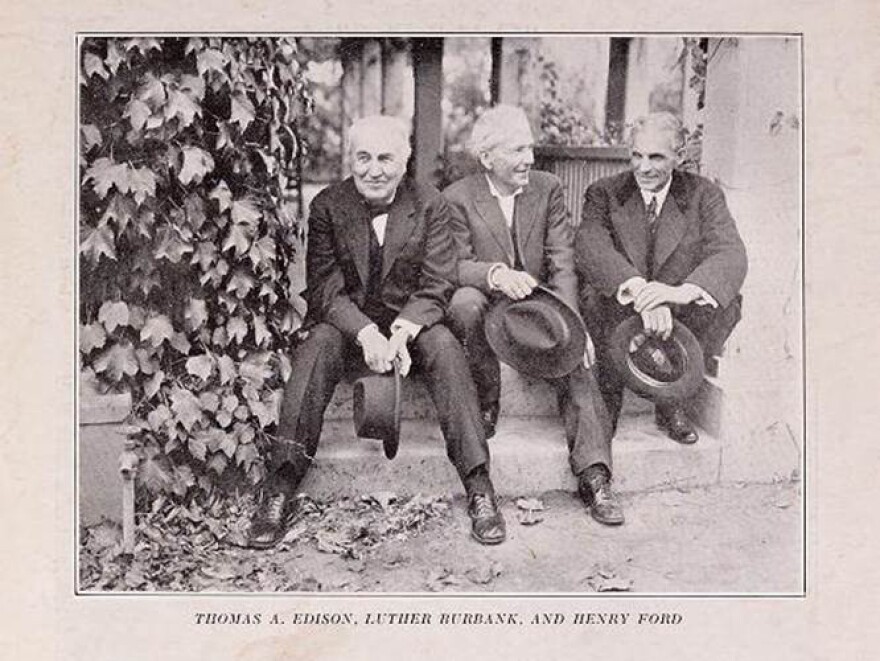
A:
x: 752, y: 148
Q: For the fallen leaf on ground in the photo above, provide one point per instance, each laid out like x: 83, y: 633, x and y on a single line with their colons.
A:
x: 529, y: 518
x: 530, y: 504
x: 485, y: 573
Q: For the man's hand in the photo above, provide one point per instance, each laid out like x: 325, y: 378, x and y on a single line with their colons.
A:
x: 398, y: 350
x: 658, y: 321
x: 513, y: 284
x: 376, y: 348
x: 655, y: 294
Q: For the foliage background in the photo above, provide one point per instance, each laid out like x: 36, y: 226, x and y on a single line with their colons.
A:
x: 187, y: 160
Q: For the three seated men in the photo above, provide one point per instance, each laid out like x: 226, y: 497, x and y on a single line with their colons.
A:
x: 386, y: 254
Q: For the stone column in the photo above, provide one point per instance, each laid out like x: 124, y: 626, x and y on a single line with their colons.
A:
x: 752, y: 148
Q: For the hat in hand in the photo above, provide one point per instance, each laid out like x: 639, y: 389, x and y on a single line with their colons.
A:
x: 540, y: 335
x: 377, y: 409
x: 661, y: 370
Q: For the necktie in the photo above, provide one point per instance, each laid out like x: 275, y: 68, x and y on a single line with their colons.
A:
x: 651, y: 222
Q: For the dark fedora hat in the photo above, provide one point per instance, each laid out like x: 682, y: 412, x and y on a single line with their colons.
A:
x: 377, y: 409
x: 661, y: 370
x: 540, y: 335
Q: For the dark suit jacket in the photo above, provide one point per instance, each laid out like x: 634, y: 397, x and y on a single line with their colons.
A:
x: 418, y: 266
x: 696, y: 239
x: 542, y: 229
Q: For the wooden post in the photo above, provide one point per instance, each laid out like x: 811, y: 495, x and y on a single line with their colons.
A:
x: 427, y: 56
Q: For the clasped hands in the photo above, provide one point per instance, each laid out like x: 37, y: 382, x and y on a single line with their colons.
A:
x: 381, y: 352
x: 651, y: 301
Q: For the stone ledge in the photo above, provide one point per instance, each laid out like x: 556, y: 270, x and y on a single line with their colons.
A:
x: 529, y: 457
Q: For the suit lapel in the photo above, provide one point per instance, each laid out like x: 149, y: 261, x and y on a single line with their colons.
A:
x: 629, y: 223
x: 401, y: 218
x: 672, y: 223
x: 490, y: 213
x: 354, y: 225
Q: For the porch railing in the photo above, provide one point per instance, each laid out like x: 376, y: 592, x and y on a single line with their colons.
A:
x: 578, y: 167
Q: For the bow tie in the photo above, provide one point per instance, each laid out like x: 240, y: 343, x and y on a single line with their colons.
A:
x: 378, y: 210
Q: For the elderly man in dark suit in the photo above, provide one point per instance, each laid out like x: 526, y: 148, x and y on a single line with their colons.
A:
x: 662, y: 244
x: 380, y: 266
x: 512, y: 233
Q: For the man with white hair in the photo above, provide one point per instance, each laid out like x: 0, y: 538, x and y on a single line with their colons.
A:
x: 380, y: 266
x: 512, y: 233
x: 659, y: 243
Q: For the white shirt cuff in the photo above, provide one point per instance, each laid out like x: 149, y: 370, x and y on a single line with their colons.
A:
x: 408, y: 327
x: 628, y: 291
x: 490, y: 276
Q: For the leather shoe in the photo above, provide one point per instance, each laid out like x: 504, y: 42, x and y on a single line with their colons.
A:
x: 271, y: 520
x: 674, y: 421
x: 489, y: 414
x: 487, y: 524
x: 595, y: 490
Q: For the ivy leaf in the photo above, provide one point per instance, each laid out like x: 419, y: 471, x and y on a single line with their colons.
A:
x: 159, y: 417
x: 218, y: 463
x: 157, y: 330
x: 182, y: 106
x: 152, y: 91
x: 255, y: 369
x: 265, y: 414
x: 219, y: 338
x: 105, y: 174
x: 261, y: 331
x: 142, y: 182
x: 137, y: 112
x: 152, y: 386
x: 179, y: 342
x: 238, y: 238
x: 143, y: 44
x: 227, y: 373
x: 196, y: 164
x: 240, y: 283
x: 91, y: 136
x: 246, y: 454
x: 209, y: 401
x: 262, y: 251
x: 170, y: 246
x: 114, y: 56
x: 198, y: 448
x: 113, y: 314
x: 237, y: 329
x: 210, y: 60
x: 242, y: 112
x: 186, y: 407
x: 201, y: 366
x: 286, y: 368
x: 117, y: 361
x: 92, y: 64
x: 91, y: 337
x: 153, y: 473
x: 194, y: 207
x: 98, y: 241
x: 228, y: 445
x: 120, y: 210
x: 245, y: 213
x: 205, y: 254
x: 195, y: 85
x: 224, y: 419
x: 223, y: 195
x: 196, y: 313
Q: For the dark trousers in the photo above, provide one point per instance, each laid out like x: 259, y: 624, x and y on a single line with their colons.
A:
x: 324, y: 357
x: 586, y: 420
x: 711, y: 326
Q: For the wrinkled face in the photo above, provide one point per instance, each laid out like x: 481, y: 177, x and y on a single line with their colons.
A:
x: 653, y: 158
x: 378, y: 164
x: 508, y: 163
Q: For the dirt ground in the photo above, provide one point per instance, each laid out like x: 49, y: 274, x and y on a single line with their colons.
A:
x: 722, y: 539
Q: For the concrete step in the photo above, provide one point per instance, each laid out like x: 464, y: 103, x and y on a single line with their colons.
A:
x: 521, y: 395
x: 529, y: 457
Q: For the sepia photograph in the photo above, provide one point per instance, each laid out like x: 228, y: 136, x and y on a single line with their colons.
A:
x: 435, y: 314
